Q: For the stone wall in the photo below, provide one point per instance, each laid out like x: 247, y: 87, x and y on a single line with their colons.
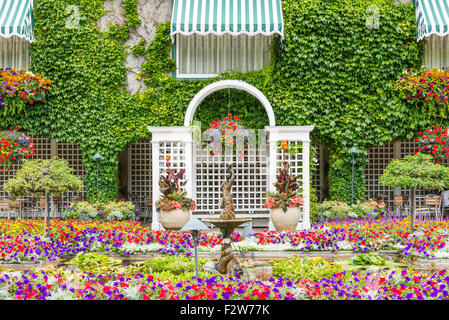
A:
x: 151, y: 13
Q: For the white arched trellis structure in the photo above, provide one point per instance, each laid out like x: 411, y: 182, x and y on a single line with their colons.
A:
x: 228, y: 84
x: 178, y: 143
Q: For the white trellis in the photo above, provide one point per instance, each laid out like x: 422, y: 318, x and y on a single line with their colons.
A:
x: 250, y: 184
x: 255, y: 173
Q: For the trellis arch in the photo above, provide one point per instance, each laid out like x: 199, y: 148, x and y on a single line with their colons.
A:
x: 178, y: 143
x: 228, y: 84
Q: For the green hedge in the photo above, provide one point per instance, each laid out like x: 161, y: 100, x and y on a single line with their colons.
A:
x: 331, y: 70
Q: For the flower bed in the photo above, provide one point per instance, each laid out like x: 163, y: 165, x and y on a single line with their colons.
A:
x: 339, y: 210
x: 109, y: 211
x: 22, y: 240
x: 359, y: 285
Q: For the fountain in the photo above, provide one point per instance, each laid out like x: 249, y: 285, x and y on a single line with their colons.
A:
x: 227, y: 263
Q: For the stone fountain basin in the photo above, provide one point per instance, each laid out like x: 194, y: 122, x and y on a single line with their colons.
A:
x: 227, y: 224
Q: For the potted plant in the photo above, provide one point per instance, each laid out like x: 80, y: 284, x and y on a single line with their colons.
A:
x: 174, y: 205
x: 285, y: 203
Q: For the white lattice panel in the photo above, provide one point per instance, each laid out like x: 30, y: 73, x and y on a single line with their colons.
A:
x: 316, y: 177
x: 140, y: 186
x: 250, y: 181
x: 294, y: 160
x: 176, y: 151
x: 378, y: 159
x: 73, y: 155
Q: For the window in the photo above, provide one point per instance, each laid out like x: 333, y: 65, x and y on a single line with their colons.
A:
x: 436, y: 52
x: 215, y: 36
x: 199, y: 56
x: 14, y: 53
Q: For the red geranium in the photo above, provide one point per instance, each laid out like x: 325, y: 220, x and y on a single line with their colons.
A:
x: 14, y: 146
x: 434, y: 141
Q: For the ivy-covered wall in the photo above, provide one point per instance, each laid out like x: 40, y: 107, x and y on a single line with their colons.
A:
x: 335, y: 69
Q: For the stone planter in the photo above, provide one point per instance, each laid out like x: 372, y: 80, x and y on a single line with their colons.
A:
x: 174, y: 219
x: 285, y: 221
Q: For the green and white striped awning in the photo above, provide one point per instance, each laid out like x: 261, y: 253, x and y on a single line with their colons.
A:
x: 432, y: 17
x: 233, y: 17
x: 16, y: 19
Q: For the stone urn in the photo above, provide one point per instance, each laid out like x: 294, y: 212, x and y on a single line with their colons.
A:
x: 285, y: 221
x: 174, y: 219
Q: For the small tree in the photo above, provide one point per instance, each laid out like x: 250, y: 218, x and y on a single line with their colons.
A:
x: 415, y: 172
x: 43, y: 178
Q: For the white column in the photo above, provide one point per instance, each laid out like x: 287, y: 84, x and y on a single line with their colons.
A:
x: 272, y: 170
x: 155, y: 225
x: 189, y: 168
x: 305, y: 185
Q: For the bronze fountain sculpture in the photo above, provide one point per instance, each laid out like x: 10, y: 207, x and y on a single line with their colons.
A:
x: 227, y: 263
x: 227, y: 203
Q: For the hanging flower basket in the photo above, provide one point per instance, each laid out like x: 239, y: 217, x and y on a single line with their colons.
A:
x: 21, y: 88
x: 14, y: 146
x: 435, y: 142
x: 228, y: 131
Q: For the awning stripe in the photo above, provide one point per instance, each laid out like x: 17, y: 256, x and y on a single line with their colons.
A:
x: 233, y: 17
x: 16, y: 19
x: 432, y: 17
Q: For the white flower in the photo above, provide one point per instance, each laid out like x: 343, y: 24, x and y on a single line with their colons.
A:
x: 60, y: 295
x: 344, y: 245
x: 115, y: 215
x: 372, y: 213
x: 352, y: 214
x: 442, y: 253
x: 131, y: 293
x: 142, y: 248
x: 4, y: 294
x: 253, y: 246
x: 92, y: 214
